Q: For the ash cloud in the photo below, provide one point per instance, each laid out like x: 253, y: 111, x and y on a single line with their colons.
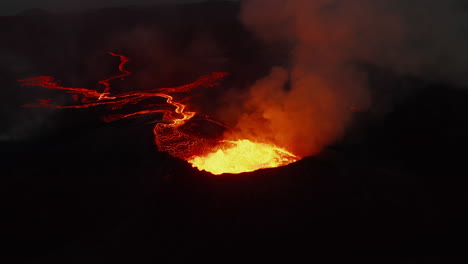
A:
x: 307, y: 103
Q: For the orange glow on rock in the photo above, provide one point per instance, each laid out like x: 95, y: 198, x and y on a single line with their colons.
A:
x: 243, y: 156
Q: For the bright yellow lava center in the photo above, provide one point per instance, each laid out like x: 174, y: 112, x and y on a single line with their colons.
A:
x: 243, y: 156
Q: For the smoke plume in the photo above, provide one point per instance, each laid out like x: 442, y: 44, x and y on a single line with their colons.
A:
x: 308, y: 102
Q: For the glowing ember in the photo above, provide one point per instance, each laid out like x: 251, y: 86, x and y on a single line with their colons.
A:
x: 225, y: 156
x: 243, y: 156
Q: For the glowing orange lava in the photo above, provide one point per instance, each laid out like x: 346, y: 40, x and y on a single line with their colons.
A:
x: 243, y: 156
x: 223, y: 156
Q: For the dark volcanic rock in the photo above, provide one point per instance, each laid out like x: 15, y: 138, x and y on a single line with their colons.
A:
x: 76, y: 190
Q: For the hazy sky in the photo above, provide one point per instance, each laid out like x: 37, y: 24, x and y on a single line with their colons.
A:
x: 12, y: 7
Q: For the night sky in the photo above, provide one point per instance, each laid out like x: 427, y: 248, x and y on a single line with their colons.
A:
x: 12, y: 7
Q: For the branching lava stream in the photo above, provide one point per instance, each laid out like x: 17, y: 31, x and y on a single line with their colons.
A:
x: 222, y: 156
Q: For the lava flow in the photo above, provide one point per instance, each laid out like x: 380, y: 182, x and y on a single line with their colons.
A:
x: 216, y: 156
x: 243, y: 156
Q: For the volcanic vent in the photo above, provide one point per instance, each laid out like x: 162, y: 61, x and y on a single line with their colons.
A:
x: 215, y: 155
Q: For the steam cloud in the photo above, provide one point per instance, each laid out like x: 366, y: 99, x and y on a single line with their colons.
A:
x: 308, y: 103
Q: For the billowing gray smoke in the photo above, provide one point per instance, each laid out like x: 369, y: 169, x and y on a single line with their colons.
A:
x: 308, y: 103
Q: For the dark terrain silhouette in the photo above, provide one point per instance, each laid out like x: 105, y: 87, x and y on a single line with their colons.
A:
x: 78, y: 190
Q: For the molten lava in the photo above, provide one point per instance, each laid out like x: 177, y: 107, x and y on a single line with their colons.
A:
x: 243, y: 156
x: 212, y: 155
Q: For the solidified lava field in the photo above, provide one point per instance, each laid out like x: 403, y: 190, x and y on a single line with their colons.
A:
x: 79, y: 190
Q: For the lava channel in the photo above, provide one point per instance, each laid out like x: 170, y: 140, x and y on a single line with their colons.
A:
x: 216, y: 156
